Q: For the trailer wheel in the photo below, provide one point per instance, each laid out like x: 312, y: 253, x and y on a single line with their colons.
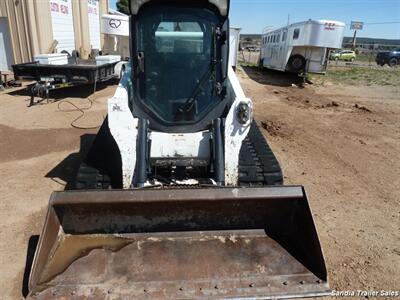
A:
x: 296, y: 63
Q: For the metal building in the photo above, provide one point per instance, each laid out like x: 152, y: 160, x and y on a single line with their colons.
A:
x: 31, y: 27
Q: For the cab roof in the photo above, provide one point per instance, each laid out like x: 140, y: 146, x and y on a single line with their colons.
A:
x: 222, y: 5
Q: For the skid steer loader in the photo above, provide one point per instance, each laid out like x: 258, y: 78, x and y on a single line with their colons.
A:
x: 180, y: 196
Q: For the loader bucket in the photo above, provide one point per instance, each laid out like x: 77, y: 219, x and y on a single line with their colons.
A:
x: 206, y: 243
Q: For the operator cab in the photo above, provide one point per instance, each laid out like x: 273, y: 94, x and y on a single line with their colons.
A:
x: 179, y: 53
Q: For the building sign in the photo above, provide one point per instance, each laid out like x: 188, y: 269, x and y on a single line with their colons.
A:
x: 60, y: 7
x: 94, y: 23
x: 356, y: 25
x: 93, y: 6
x: 62, y: 24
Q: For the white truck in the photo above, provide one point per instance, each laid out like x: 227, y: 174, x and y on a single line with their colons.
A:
x: 301, y: 47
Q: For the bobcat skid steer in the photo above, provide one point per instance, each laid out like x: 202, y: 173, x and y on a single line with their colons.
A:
x: 180, y: 196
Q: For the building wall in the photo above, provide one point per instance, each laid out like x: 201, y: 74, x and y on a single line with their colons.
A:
x: 31, y: 29
x: 81, y: 27
x: 41, y: 30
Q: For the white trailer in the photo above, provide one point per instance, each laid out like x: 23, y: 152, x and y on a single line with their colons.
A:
x: 301, y: 47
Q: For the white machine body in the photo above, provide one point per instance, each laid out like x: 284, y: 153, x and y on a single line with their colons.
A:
x: 123, y: 127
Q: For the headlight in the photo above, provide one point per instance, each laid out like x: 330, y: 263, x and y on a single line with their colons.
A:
x: 243, y: 112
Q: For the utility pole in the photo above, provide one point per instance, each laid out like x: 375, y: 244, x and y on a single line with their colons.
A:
x: 356, y: 25
x: 288, y: 19
x: 354, y: 40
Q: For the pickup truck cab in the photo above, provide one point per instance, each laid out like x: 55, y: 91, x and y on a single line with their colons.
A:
x: 392, y: 58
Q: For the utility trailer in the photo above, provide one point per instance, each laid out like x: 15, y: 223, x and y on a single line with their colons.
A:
x: 51, y: 77
x: 302, y: 47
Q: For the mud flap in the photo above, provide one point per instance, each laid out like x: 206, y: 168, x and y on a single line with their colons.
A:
x: 224, y: 243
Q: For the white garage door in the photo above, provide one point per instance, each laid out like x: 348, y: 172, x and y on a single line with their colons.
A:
x: 63, y: 25
x: 94, y: 23
x: 5, y: 46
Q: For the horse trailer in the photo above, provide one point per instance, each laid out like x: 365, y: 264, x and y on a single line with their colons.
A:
x: 302, y: 47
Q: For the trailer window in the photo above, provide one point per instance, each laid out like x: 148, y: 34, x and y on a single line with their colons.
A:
x: 183, y: 37
x: 284, y: 36
x: 296, y: 33
x: 278, y: 38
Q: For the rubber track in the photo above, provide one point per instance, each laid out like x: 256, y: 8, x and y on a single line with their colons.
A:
x: 257, y: 163
x: 89, y: 178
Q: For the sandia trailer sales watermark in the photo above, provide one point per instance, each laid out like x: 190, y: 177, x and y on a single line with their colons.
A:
x: 365, y: 293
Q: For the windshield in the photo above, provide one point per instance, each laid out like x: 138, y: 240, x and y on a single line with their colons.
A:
x: 178, y: 49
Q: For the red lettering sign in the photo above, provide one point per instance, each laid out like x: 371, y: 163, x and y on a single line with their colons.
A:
x: 64, y: 9
x: 329, y: 26
x: 54, y: 7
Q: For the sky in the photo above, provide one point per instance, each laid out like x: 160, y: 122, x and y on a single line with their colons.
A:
x: 253, y: 15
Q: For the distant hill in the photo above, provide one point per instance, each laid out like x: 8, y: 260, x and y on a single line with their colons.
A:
x: 361, y: 40
x: 346, y: 40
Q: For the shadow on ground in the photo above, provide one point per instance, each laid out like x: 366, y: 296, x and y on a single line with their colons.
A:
x: 30, y: 253
x: 272, y: 77
x: 67, y: 169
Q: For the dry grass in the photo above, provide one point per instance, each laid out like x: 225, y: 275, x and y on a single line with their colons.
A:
x: 355, y: 75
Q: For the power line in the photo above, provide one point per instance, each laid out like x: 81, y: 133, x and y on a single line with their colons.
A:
x: 381, y: 23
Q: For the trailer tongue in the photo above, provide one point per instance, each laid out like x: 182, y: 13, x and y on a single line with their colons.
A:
x: 179, y: 244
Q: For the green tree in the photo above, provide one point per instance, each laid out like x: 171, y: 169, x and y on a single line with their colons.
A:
x: 123, y: 6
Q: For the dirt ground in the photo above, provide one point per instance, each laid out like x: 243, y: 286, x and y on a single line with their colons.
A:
x: 39, y: 153
x: 341, y: 142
